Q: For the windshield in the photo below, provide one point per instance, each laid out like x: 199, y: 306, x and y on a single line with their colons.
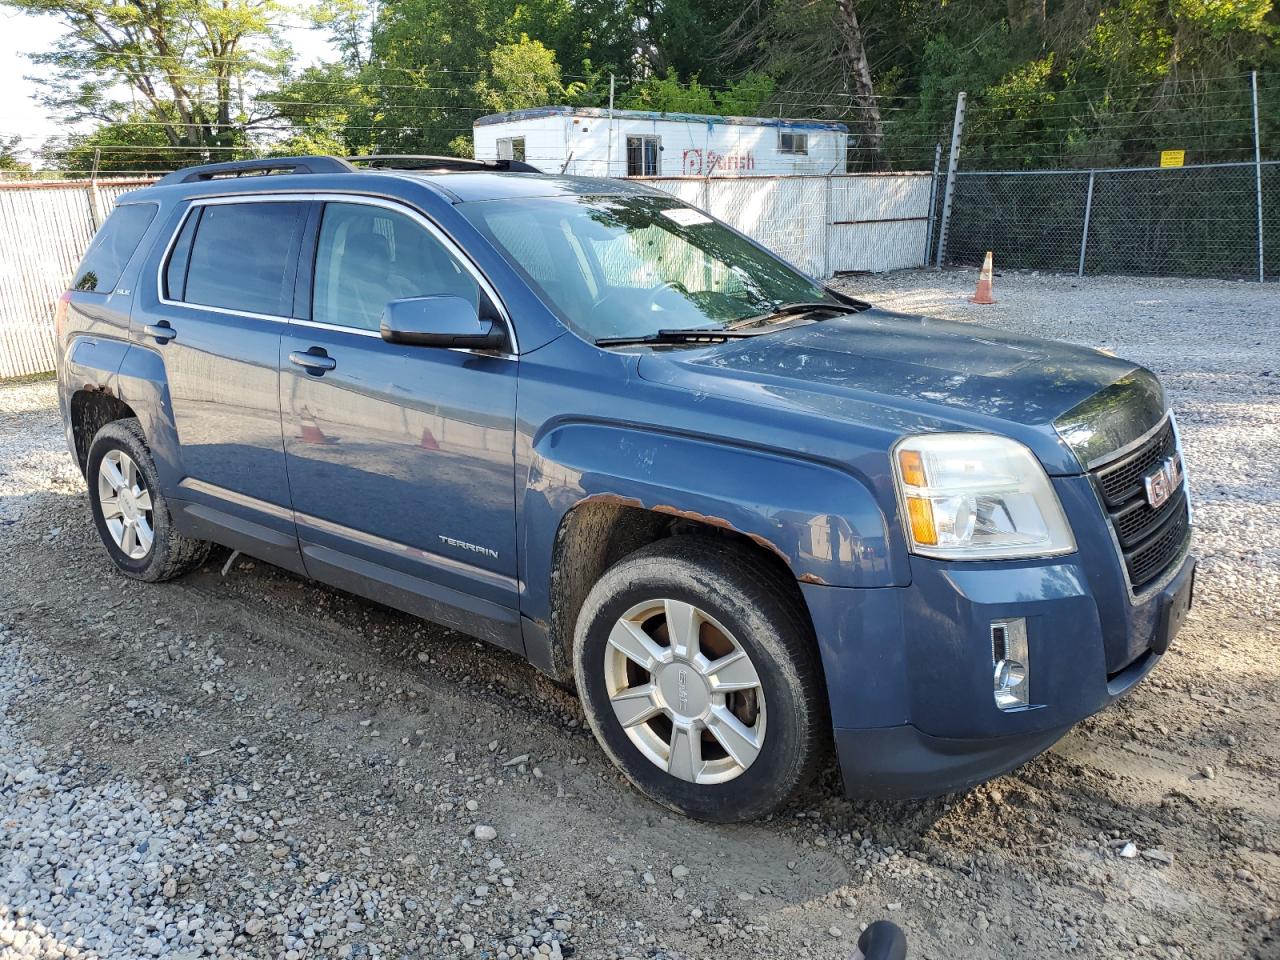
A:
x: 629, y: 266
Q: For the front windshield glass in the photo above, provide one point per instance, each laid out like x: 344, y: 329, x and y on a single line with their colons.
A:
x: 628, y: 266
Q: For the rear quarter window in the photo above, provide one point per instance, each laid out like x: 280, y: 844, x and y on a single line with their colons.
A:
x: 112, y: 247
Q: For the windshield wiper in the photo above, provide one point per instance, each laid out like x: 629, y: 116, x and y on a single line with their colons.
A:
x: 789, y: 309
x: 694, y: 335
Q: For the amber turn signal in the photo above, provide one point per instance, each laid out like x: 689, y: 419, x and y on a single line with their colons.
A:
x: 911, y: 465
x: 923, y: 530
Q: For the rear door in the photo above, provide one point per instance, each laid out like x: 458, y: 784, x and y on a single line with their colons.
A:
x: 225, y: 294
x: 400, y: 458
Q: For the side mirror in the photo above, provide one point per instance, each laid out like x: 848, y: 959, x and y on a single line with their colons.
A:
x: 439, y: 322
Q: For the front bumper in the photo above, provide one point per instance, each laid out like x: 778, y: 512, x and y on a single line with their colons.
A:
x: 909, y: 669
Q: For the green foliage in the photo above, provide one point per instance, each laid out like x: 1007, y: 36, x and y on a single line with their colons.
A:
x: 524, y: 74
x: 747, y: 97
x: 136, y: 144
x: 1075, y: 84
x: 189, y: 65
x: 1060, y: 83
x: 13, y: 162
x: 669, y: 95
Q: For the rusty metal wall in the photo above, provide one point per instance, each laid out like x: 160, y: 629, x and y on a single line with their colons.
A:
x: 44, y: 230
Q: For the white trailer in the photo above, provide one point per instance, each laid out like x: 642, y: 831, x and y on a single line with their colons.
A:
x: 588, y: 141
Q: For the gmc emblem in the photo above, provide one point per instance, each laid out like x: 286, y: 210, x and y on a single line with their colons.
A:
x: 1162, y: 481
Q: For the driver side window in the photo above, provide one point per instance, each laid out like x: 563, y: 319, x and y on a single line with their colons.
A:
x: 367, y: 256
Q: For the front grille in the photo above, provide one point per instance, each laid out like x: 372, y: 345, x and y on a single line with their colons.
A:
x: 1151, y: 538
x: 1137, y: 520
x: 1121, y: 480
x: 1152, y: 558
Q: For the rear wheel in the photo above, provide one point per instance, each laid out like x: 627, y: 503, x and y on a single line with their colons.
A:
x: 130, y: 510
x: 699, y: 675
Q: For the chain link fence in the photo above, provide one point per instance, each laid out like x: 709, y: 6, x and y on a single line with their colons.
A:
x: 1197, y: 221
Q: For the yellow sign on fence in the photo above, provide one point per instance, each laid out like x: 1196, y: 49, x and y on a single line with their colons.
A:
x: 1172, y: 158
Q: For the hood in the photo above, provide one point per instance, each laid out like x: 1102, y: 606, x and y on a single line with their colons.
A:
x: 904, y: 373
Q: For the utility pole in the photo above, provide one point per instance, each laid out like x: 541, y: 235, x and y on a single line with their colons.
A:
x: 1257, y: 166
x: 953, y: 161
x: 608, y: 163
x: 95, y: 198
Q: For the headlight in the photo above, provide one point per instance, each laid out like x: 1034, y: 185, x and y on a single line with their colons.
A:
x: 974, y: 496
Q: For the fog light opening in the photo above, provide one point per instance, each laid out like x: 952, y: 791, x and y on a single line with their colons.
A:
x: 1011, y: 663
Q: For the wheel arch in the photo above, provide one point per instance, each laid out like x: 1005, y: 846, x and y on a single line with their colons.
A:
x: 90, y: 410
x: 596, y: 493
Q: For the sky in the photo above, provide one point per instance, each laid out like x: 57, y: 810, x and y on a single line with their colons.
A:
x: 22, y: 33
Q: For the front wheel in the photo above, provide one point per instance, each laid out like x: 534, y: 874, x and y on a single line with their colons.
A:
x: 698, y: 671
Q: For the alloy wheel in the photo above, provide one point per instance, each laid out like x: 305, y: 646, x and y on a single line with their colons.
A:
x: 685, y: 691
x: 126, y: 504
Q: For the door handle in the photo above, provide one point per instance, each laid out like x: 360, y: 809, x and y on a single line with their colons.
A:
x: 162, y: 332
x: 313, y: 363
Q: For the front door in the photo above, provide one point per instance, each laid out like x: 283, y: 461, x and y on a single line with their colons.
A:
x: 226, y: 291
x: 400, y: 458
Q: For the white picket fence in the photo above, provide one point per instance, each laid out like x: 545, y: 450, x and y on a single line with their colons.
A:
x: 44, y: 230
x: 822, y: 224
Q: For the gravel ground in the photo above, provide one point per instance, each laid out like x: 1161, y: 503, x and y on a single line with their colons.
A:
x: 255, y: 766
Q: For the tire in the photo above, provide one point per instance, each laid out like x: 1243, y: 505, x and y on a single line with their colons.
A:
x: 166, y: 554
x: 713, y: 769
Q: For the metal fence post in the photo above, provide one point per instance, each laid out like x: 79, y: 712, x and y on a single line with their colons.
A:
x: 1257, y: 166
x: 1084, y: 234
x: 828, y: 228
x: 957, y: 127
x: 933, y: 204
x: 95, y: 200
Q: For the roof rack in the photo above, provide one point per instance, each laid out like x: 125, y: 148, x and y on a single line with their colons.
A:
x: 427, y: 162
x: 239, y: 168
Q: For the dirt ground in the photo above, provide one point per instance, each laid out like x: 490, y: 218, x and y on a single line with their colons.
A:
x: 311, y: 767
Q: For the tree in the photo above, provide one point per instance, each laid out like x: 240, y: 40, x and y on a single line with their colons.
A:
x: 190, y: 67
x: 523, y: 74
x: 747, y: 97
x: 13, y: 165
x: 682, y: 38
x: 134, y: 145
x: 819, y: 47
x: 330, y: 109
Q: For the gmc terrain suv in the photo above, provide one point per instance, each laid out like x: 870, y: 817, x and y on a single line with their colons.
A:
x: 749, y: 517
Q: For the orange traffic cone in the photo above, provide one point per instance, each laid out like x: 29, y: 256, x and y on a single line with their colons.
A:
x: 983, y: 293
x: 311, y: 432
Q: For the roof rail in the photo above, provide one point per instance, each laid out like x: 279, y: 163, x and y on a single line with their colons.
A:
x: 238, y: 168
x: 411, y: 161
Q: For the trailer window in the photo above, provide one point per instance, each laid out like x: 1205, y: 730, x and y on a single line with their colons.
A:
x: 511, y: 148
x: 644, y: 156
x: 793, y: 142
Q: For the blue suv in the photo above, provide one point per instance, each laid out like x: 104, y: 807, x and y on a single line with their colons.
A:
x: 752, y: 520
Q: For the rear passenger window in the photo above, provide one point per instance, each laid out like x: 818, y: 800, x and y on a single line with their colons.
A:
x: 241, y: 258
x: 113, y: 246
